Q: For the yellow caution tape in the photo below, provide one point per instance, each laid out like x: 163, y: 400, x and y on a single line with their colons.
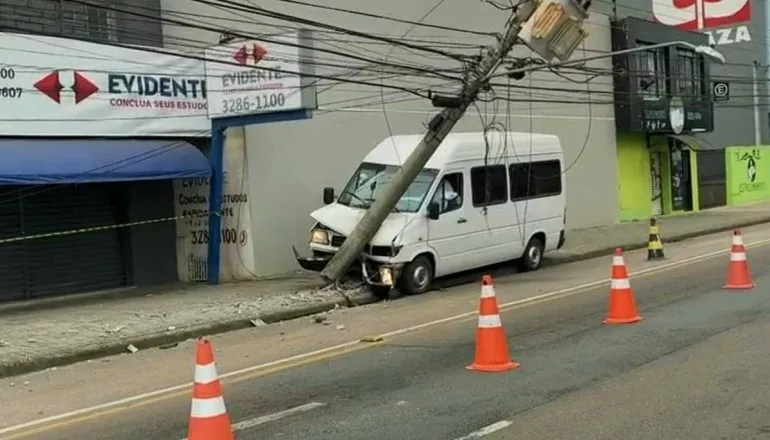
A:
x: 100, y: 228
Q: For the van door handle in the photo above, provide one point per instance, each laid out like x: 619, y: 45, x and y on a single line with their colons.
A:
x: 462, y: 220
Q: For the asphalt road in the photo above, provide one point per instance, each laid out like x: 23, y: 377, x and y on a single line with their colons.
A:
x: 579, y: 379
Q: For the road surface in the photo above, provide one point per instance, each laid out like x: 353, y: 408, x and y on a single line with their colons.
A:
x: 695, y: 368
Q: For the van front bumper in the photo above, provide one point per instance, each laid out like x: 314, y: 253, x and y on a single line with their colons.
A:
x: 562, y: 239
x: 375, y: 273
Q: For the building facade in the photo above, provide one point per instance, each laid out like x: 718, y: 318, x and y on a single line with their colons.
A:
x: 92, y: 137
x: 662, y: 170
x: 288, y: 163
x: 129, y: 22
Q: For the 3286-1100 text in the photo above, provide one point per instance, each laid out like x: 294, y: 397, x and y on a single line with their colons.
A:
x: 229, y: 236
x: 254, y: 103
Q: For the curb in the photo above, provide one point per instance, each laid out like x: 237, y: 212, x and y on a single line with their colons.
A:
x: 155, y: 340
x: 634, y: 245
x: 160, y: 339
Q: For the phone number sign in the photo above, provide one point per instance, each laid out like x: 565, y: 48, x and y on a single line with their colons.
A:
x: 250, y: 77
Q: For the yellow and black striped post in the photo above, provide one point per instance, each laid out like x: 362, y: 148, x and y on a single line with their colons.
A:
x: 654, y: 243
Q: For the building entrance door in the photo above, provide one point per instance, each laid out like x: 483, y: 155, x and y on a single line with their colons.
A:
x: 657, y: 183
x: 681, y: 180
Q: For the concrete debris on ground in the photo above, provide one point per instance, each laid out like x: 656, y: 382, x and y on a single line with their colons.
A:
x: 35, y: 338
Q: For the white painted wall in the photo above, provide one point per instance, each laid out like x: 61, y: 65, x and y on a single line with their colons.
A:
x: 237, y: 242
x: 289, y: 163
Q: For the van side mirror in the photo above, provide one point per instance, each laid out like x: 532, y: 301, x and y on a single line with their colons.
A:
x: 433, y: 211
x: 328, y: 195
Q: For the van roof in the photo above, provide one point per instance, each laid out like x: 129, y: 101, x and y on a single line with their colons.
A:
x: 465, y: 146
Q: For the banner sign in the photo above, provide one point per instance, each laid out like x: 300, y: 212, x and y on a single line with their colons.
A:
x: 255, y: 76
x: 236, y: 243
x: 62, y: 87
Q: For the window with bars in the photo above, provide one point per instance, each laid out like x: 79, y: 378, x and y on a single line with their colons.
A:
x: 689, y: 73
x: 67, y: 19
x: 652, y: 73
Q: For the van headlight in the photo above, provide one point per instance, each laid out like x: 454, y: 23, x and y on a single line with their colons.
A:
x: 319, y: 236
x: 386, y: 276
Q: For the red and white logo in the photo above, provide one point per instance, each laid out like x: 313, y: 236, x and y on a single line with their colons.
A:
x: 51, y: 85
x: 694, y: 15
x: 257, y: 53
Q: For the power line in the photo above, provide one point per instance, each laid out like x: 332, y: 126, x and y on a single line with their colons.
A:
x: 295, y: 19
x: 393, y: 19
x: 263, y: 39
x: 268, y: 69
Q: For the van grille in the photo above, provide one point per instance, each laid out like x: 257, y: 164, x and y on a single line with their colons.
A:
x: 337, y: 240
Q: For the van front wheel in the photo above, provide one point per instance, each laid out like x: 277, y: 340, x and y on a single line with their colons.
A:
x: 533, y: 255
x: 417, y: 276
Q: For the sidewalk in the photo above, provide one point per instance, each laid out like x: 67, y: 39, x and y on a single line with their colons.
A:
x: 36, y: 336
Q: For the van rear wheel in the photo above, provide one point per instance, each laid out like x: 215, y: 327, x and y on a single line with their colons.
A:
x: 533, y: 255
x: 417, y: 276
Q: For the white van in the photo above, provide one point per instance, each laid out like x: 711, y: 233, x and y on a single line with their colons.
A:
x: 476, y: 202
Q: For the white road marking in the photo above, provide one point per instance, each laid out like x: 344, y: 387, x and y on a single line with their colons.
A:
x: 128, y: 401
x: 261, y: 420
x: 502, y: 424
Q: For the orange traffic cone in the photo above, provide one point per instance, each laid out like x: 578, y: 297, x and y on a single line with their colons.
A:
x: 738, y: 272
x: 208, y: 416
x: 622, y: 307
x: 491, y: 346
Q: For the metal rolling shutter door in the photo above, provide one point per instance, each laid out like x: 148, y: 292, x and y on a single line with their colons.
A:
x: 13, y: 275
x: 77, y: 262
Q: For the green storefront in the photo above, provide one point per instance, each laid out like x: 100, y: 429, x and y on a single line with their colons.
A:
x: 668, y: 174
x: 662, y: 107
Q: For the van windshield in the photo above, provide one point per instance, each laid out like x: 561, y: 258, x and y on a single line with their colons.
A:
x: 370, y: 179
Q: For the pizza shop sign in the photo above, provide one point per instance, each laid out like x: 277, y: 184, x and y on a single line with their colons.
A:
x: 724, y: 21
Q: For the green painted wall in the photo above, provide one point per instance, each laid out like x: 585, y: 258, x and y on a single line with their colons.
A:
x: 634, y: 180
x: 746, y: 183
x: 695, y: 185
x: 634, y: 185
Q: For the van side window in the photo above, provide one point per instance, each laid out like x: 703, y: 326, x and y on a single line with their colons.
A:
x: 535, y: 179
x: 489, y: 185
x: 449, y: 193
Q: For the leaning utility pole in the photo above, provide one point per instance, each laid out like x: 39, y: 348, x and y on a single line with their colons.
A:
x: 438, y: 128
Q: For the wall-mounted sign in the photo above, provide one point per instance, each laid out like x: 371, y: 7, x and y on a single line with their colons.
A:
x: 260, y: 76
x: 666, y: 116
x: 746, y: 174
x: 61, y: 87
x: 676, y: 115
x: 720, y: 90
x: 720, y: 20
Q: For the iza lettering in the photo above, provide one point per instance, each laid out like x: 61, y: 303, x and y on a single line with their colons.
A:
x: 721, y: 37
x: 165, y: 86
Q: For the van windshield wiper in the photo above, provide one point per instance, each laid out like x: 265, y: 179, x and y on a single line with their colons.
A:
x: 355, y: 196
x: 367, y: 203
